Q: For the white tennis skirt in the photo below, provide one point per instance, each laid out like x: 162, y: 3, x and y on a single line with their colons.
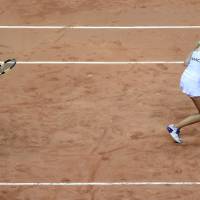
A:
x: 190, y: 84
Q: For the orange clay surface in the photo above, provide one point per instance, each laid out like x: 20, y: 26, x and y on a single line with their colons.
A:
x: 96, y: 123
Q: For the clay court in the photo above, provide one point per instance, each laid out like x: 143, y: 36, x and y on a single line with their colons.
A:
x: 74, y: 123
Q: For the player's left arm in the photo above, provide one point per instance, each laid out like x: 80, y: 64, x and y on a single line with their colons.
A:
x: 187, y: 61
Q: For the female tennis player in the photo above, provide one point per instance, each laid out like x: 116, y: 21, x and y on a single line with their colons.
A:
x: 190, y: 85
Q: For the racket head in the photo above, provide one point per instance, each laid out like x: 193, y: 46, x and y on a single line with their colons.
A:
x: 7, y: 65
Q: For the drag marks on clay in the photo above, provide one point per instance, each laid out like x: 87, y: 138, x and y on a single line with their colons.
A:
x: 99, y: 12
x: 138, y: 135
x: 112, y: 150
x: 76, y: 113
x: 99, y: 142
x: 95, y: 45
x: 118, y: 193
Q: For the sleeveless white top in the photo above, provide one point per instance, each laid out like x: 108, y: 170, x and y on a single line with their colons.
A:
x: 193, y: 68
x: 190, y: 79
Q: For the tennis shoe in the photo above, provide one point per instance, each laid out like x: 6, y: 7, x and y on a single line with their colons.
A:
x: 174, y: 132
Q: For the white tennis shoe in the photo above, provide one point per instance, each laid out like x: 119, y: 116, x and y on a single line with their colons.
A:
x: 174, y: 132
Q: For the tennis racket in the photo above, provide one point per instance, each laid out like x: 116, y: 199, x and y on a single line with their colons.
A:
x: 7, y: 66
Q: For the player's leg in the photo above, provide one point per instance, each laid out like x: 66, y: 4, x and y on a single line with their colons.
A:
x: 192, y: 118
x: 174, y: 130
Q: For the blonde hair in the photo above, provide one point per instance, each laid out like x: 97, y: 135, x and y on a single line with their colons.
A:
x: 197, y: 45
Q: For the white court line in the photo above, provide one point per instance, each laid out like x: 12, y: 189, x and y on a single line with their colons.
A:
x: 100, y: 62
x: 93, y: 27
x: 103, y: 184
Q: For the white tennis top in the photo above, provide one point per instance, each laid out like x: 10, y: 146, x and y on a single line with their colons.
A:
x: 193, y: 69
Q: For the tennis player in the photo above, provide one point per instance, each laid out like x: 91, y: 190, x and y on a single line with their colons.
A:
x: 190, y: 85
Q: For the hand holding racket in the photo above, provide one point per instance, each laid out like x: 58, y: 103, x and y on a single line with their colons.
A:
x: 7, y: 66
